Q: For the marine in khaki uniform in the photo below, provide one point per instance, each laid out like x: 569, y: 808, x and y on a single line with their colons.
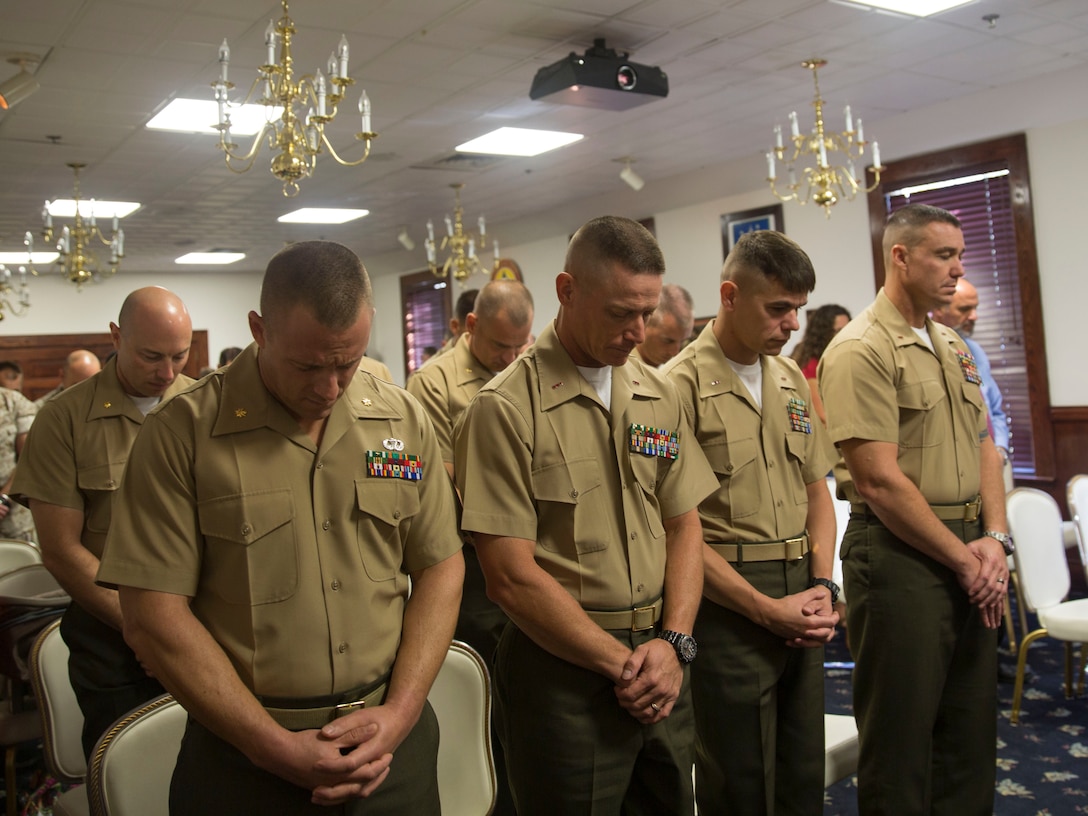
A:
x: 263, y: 543
x: 16, y: 416
x: 78, y: 366
x: 668, y: 327
x: 758, y: 686
x: 580, y: 481
x: 70, y: 473
x: 925, y: 573
x: 498, y: 327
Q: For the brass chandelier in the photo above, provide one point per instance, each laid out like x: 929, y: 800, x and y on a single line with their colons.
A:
x: 308, y: 104
x: 14, y: 293
x: 75, y: 244
x: 823, y: 183
x: 463, y: 260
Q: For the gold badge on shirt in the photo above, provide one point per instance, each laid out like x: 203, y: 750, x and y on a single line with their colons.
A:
x: 797, y: 411
x: 654, y: 441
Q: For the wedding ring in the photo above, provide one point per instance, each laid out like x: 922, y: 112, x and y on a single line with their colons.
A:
x: 655, y: 707
x: 1001, y: 580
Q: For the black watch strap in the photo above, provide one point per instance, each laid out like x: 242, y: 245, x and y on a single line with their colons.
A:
x: 832, y: 587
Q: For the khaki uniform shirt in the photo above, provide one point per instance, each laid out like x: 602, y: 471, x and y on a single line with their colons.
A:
x: 77, y: 450
x: 16, y: 415
x: 538, y: 457
x: 377, y: 368
x: 763, y: 458
x: 445, y: 389
x: 297, y: 556
x: 881, y: 383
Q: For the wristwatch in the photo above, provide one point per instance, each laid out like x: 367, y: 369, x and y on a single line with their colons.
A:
x: 832, y: 587
x: 685, y: 645
x: 1004, y: 538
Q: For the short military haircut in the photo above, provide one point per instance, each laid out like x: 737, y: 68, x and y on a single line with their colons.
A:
x: 767, y: 255
x: 905, y: 225
x: 676, y: 301
x: 10, y: 365
x: 610, y: 240
x: 325, y: 277
x: 465, y: 303
x: 511, y: 297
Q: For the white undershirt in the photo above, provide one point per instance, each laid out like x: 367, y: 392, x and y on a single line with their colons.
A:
x: 752, y: 377
x: 923, y: 335
x: 601, y: 380
x: 145, y: 404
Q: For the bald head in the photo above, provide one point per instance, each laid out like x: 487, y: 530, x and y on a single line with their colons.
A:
x: 500, y: 323
x: 962, y: 312
x: 152, y: 336
x: 669, y: 325
x: 79, y: 366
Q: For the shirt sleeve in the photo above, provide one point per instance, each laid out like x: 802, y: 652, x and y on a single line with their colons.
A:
x: 47, y: 467
x: 859, y: 394
x: 425, y: 387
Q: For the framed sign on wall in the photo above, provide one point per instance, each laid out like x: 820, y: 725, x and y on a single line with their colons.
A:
x: 734, y: 225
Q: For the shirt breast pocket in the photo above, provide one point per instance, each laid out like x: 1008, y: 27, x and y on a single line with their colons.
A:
x: 250, y: 553
x: 921, y: 408
x: 797, y: 455
x: 975, y: 403
x: 733, y: 462
x: 101, y: 478
x: 569, y: 499
x: 386, y: 509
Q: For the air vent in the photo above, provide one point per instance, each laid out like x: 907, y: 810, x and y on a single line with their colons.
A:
x: 474, y: 162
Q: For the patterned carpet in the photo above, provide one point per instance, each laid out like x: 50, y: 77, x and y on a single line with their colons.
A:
x: 1042, y: 764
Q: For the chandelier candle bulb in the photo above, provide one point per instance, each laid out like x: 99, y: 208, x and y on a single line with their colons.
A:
x: 770, y: 165
x: 430, y: 253
x: 861, y: 132
x: 47, y: 218
x: 120, y: 243
x: 777, y: 138
x: 320, y: 83
x: 270, y: 42
x: 331, y: 65
x: 483, y: 227
x: 342, y: 53
x: 430, y: 231
x: 364, y: 110
x: 449, y: 227
x: 472, y: 247
x: 92, y: 220
x: 224, y: 61
x: 849, y: 118
x: 823, y: 153
x: 496, y: 252
x: 876, y: 154
x: 795, y: 129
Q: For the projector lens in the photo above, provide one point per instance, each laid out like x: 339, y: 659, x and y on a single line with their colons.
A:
x: 626, y: 78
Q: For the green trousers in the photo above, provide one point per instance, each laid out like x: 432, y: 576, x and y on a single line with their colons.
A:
x: 925, y: 682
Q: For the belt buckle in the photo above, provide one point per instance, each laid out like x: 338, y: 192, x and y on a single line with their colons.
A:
x: 343, y: 709
x: 799, y: 542
x: 648, y: 612
x: 971, y: 509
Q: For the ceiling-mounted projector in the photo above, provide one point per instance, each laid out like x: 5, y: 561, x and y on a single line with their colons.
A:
x: 600, y: 78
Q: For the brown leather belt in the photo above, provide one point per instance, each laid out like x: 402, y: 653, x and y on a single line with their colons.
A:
x: 967, y: 511
x: 303, y: 714
x: 638, y: 619
x: 782, y: 549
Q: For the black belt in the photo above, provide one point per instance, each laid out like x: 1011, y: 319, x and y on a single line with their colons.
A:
x: 300, y: 713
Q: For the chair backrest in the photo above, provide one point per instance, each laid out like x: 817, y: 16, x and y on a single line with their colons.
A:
x: 1035, y: 522
x: 134, y: 761
x: 461, y: 698
x: 62, y: 720
x: 15, y: 553
x: 1076, y: 496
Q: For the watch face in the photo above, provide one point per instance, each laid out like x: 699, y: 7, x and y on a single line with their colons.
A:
x: 687, y: 648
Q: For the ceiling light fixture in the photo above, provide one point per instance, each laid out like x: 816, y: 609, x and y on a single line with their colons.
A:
x: 216, y: 257
x: 406, y: 239
x: 512, y: 141
x: 823, y: 183
x: 198, y: 115
x: 322, y: 215
x: 19, y: 87
x: 75, y: 256
x: 630, y: 177
x: 915, y: 8
x: 463, y: 260
x: 298, y: 134
x: 14, y: 293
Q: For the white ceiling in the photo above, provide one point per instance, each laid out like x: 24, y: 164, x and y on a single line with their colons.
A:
x: 442, y: 71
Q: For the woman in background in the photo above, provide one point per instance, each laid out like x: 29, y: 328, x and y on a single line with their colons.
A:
x: 821, y: 325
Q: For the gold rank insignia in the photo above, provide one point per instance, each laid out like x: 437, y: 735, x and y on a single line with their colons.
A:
x: 367, y: 403
x: 654, y: 442
x: 392, y: 465
x: 969, y: 367
x: 240, y: 413
x: 797, y: 411
x: 107, y: 404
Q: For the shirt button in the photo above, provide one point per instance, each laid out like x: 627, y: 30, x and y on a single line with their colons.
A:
x: 326, y: 524
x: 111, y: 483
x: 335, y: 586
x: 634, y: 536
x: 728, y: 468
x: 779, y: 502
x: 624, y: 485
x: 640, y: 588
x: 574, y: 494
x: 246, y: 529
x: 343, y: 647
x: 320, y: 465
x: 396, y: 514
x: 770, y: 465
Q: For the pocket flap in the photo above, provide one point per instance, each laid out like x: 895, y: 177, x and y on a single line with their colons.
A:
x: 566, y: 481
x: 388, y: 500
x: 920, y: 396
x: 106, y: 476
x: 246, y: 517
x: 728, y: 458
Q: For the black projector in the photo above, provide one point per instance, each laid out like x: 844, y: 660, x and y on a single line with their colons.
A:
x: 600, y: 78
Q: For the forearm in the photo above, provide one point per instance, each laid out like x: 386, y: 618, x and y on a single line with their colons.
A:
x: 683, y: 571
x: 429, y: 620
x: 543, y: 610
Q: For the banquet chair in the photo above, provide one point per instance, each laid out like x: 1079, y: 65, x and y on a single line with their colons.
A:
x: 1076, y: 496
x: 461, y: 698
x: 15, y: 553
x: 1035, y: 522
x: 61, y: 719
x: 134, y: 761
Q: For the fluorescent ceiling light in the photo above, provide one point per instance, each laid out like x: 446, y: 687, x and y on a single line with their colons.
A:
x: 508, y: 141
x: 940, y: 185
x: 16, y: 258
x: 210, y: 258
x: 321, y: 215
x: 201, y: 115
x: 915, y: 8
x: 66, y: 208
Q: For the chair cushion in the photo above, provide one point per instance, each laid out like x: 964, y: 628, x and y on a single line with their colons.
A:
x: 1066, y: 621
